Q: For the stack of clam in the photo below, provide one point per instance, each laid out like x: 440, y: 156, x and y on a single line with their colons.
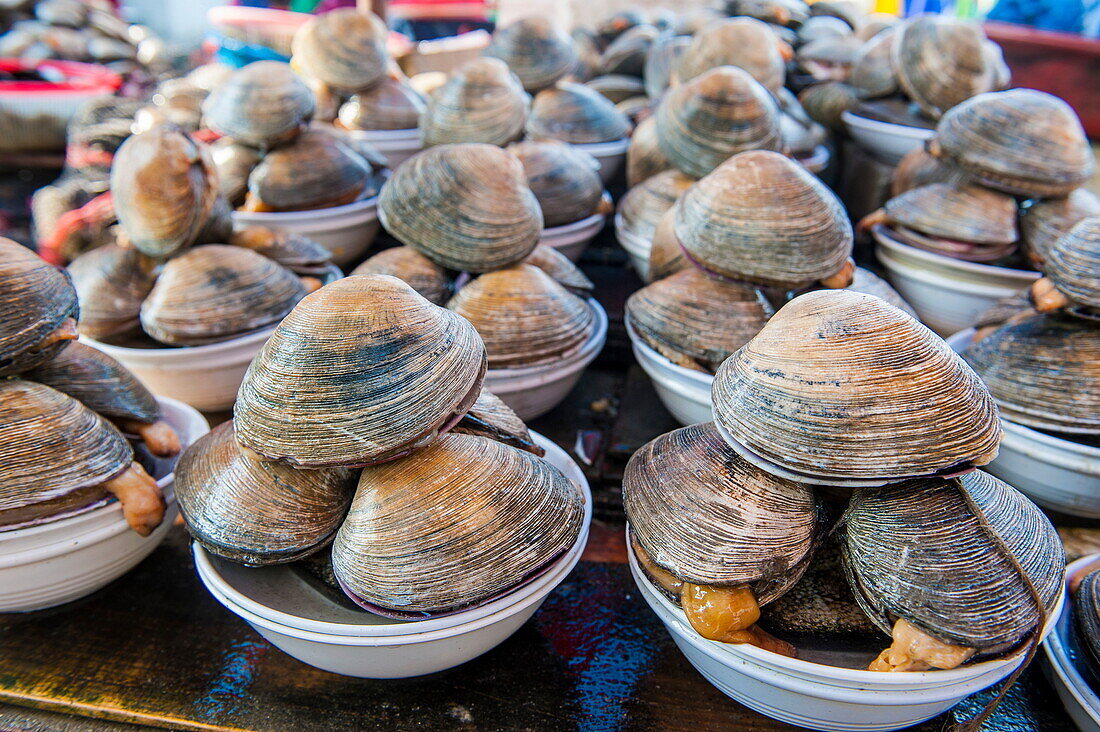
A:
x: 423, y: 496
x: 467, y: 208
x: 843, y: 421
x: 949, y: 238
x: 179, y: 276
x: 79, y: 432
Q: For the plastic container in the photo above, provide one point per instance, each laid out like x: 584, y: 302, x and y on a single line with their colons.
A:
x: 534, y: 390
x: 396, y: 145
x: 334, y: 636
x: 63, y: 560
x: 824, y: 697
x: 947, y: 294
x: 571, y: 239
x: 1065, y: 669
x: 610, y: 155
x: 637, y: 247
x: 684, y: 392
x: 886, y: 141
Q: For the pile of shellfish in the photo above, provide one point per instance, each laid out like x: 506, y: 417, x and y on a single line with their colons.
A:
x: 382, y: 455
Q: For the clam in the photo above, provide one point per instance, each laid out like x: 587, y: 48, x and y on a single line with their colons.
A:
x: 460, y: 522
x: 777, y: 12
x: 823, y: 26
x: 215, y: 292
x: 644, y: 157
x: 848, y: 12
x: 872, y: 74
x: 317, y: 170
x: 491, y: 417
x: 1021, y: 141
x: 181, y: 102
x: 535, y: 50
x: 869, y: 283
x: 300, y: 254
x: 742, y: 42
x: 566, y: 181
x: 560, y: 269
x: 588, y: 47
x: 716, y: 533
x: 697, y: 321
x: 761, y: 217
x: 343, y: 48
x: 362, y: 370
x: 919, y: 168
x: 964, y: 221
x: 617, y: 88
x: 38, y: 309
x: 644, y: 204
x: 661, y: 61
x: 829, y: 59
x: 576, y: 114
x: 827, y: 101
x: 666, y: 256
x: 391, y: 105
x: 941, y: 61
x: 261, y: 105
x: 524, y: 316
x: 414, y: 269
x: 58, y: 457
x: 952, y: 569
x: 1044, y: 372
x: 874, y: 24
x: 626, y: 54
x: 1072, y: 269
x: 841, y: 388
x: 716, y: 115
x: 233, y: 162
x: 465, y: 207
x: 636, y: 108
x: 105, y: 386
x: 619, y: 23
x: 254, y: 511
x: 482, y: 102
x: 800, y: 138
x: 1045, y: 221
x: 163, y: 185
x: 1086, y: 617
x: 111, y: 283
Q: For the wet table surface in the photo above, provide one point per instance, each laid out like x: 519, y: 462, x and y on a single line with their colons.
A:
x: 155, y: 649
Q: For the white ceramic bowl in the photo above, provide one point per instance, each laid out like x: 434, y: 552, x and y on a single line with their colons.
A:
x: 684, y: 392
x: 888, y: 142
x: 535, y: 390
x: 947, y: 294
x: 346, y: 231
x: 1081, y: 702
x: 306, y: 624
x: 824, y: 697
x: 396, y: 145
x: 1054, y: 472
x: 571, y: 239
x: 66, y: 559
x: 610, y: 155
x: 637, y: 247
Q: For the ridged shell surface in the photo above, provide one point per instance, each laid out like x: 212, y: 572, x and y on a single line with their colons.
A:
x: 644, y: 157
x: 482, y: 102
x: 643, y: 205
x: 561, y: 269
x: 1047, y: 220
x: 968, y: 213
x: 742, y: 42
x: 393, y: 104
x: 99, y: 382
x: 1073, y: 263
x: 414, y: 269
x: 111, y: 282
x: 566, y: 181
x: 343, y: 48
x: 576, y: 114
x: 35, y: 299
x: 261, y: 105
x: 941, y: 61
x: 316, y: 170
x: 535, y: 50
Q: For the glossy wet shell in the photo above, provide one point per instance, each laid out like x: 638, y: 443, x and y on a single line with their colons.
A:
x: 391, y: 105
x: 314, y: 171
x: 869, y: 283
x: 643, y: 205
x: 1021, y: 141
x: 315, y: 396
x: 99, y: 382
x: 35, y: 299
x: 215, y: 292
x: 461, y: 521
x: 561, y: 269
x: 827, y: 101
x: 698, y: 317
x: 1086, y: 617
x: 1044, y: 372
x: 111, y: 283
x: 873, y: 69
x: 1045, y: 221
x: 666, y: 256
x: 490, y: 417
x: 535, y: 50
x: 842, y: 386
x: 763, y: 218
x: 941, y: 61
x: 524, y: 317
x: 234, y: 162
x: 644, y: 157
x: 967, y: 213
x: 714, y: 116
x: 261, y: 105
x: 56, y: 453
x: 344, y: 48
x: 576, y: 114
x: 1073, y: 264
x: 829, y: 58
x: 465, y: 207
x: 253, y: 511
x: 917, y: 550
x: 298, y: 253
x: 414, y: 269
x: 742, y: 42
x: 709, y: 517
x: 566, y: 181
x: 163, y: 185
x: 919, y: 168
x: 482, y: 102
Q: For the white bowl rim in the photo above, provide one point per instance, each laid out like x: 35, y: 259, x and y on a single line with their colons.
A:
x: 594, y: 220
x: 604, y: 149
x: 411, y: 134
x: 695, y: 377
x: 1071, y: 678
x: 885, y: 128
x: 819, y: 158
x: 897, y: 247
x: 628, y: 240
x: 586, y: 353
x: 313, y: 214
x: 248, y: 339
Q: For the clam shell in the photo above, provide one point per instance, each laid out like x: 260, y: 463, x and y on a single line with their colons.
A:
x: 491, y: 417
x: 617, y: 88
x: 317, y: 170
x: 343, y: 48
x: 917, y: 550
x: 391, y: 105
x: 1086, y: 617
x: 163, y: 185
x: 644, y: 204
x: 761, y: 217
x: 941, y: 61
x: 35, y: 300
x: 254, y: 511
x: 233, y: 162
x: 644, y: 157
x: 215, y: 292
x: 535, y: 50
x: 1021, y: 141
x: 967, y: 213
x: 626, y: 54
x: 869, y: 283
x: 465, y: 207
x: 742, y: 42
x: 566, y: 181
x: 666, y: 256
x: 709, y: 517
x: 56, y: 453
x: 410, y: 266
x: 561, y: 269
x: 827, y: 101
x: 823, y: 26
x: 661, y: 61
x: 297, y: 253
x: 362, y: 370
x: 696, y: 317
x: 872, y: 73
x: 829, y: 58
x: 1045, y: 221
x: 99, y: 382
x: 461, y: 521
x: 840, y: 386
x: 1073, y: 263
x: 260, y: 105
x: 482, y: 102
x: 576, y: 114
x: 920, y: 168
x: 716, y: 115
x: 524, y: 317
x: 1044, y: 372
x: 111, y: 283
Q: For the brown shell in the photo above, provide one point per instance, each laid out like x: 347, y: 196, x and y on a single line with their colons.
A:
x: 1073, y: 264
x: 414, y: 269
x: 566, y: 181
x: 666, y: 256
x: 643, y: 205
x: 561, y: 269
x: 491, y: 417
x: 576, y: 114
x: 535, y: 50
x: 827, y: 101
x: 941, y: 61
x: 296, y: 252
x: 967, y: 213
x: 1045, y: 221
x: 482, y: 102
x: 262, y: 105
x: 343, y: 48
x: 919, y: 168
x: 617, y: 88
x: 317, y: 170
x: 391, y: 105
x: 111, y: 282
x: 873, y: 69
x: 644, y: 157
x: 234, y: 162
x: 35, y: 300
x: 742, y: 42
x: 626, y: 54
